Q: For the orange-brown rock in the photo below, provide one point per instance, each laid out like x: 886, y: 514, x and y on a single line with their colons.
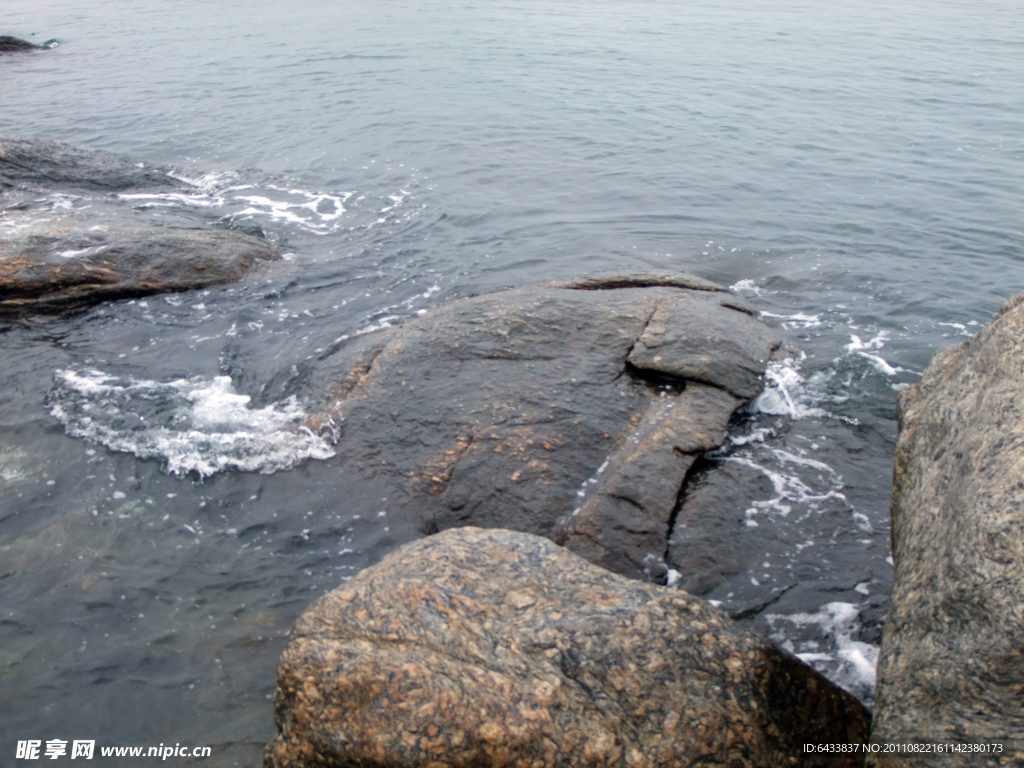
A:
x: 63, y: 268
x: 494, y: 648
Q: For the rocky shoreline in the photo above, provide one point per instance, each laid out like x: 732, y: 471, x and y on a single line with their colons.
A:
x: 540, y: 622
x: 400, y: 665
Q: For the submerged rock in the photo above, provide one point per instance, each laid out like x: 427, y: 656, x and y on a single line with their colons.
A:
x: 10, y: 44
x: 59, y: 251
x: 40, y: 163
x: 706, y: 546
x: 570, y: 411
x: 952, y: 659
x: 57, y: 269
x: 474, y: 648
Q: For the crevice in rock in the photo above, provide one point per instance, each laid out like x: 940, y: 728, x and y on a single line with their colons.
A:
x: 738, y: 307
x: 358, y: 374
x: 754, y: 610
x: 657, y: 381
x: 626, y: 365
x: 613, y: 282
x: 328, y: 423
x: 628, y: 500
x: 698, y: 467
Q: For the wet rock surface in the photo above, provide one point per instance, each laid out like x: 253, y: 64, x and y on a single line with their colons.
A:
x: 704, y: 548
x: 571, y: 411
x: 57, y: 269
x: 952, y: 659
x: 55, y: 257
x: 485, y: 647
x: 40, y: 164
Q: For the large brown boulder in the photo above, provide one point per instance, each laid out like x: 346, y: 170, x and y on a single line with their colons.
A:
x: 571, y: 411
x: 57, y: 269
x: 952, y: 658
x: 495, y: 648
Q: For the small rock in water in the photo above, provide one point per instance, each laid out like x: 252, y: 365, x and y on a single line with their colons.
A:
x: 66, y: 259
x: 10, y: 44
x: 58, y: 270
x: 41, y: 164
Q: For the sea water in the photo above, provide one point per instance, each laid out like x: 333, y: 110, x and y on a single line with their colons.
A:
x: 852, y: 170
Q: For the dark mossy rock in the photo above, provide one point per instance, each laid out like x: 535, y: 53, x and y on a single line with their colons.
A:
x: 570, y: 411
x: 487, y: 647
x: 952, y: 658
x: 58, y: 269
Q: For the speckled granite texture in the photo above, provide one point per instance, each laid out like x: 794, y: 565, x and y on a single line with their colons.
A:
x: 952, y: 660
x: 495, y: 648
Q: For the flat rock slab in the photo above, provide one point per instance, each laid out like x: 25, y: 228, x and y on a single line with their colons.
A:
x: 486, y: 647
x: 952, y: 658
x: 58, y: 269
x: 570, y: 411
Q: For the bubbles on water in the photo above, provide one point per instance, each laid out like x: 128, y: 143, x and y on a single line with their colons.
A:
x: 195, y: 424
x: 870, y: 349
x: 797, y: 320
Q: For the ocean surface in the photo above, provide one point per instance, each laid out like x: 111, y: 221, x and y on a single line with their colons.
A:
x: 853, y: 170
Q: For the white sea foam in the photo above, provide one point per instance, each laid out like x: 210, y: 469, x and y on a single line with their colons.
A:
x: 196, y: 424
x: 313, y: 211
x: 849, y: 663
x: 964, y: 330
x: 788, y: 393
x: 748, y: 287
x: 789, y: 490
x: 796, y: 321
x: 869, y: 350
